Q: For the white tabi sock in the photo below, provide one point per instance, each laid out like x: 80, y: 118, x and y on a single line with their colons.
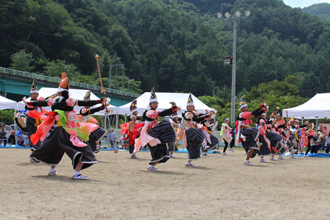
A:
x: 52, y: 170
x: 151, y: 166
x: 246, y: 160
x: 76, y: 173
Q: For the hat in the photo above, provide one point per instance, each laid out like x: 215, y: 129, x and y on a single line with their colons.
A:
x: 88, y: 96
x: 133, y: 107
x: 153, y: 97
x: 227, y: 119
x: 175, y: 115
x: 34, y: 88
x: 64, y: 83
x: 190, y: 101
x: 242, y: 103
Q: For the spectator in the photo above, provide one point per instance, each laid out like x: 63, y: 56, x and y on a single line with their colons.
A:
x: 3, y: 133
x: 320, y: 139
x: 12, y: 139
x: 325, y: 133
x: 327, y: 143
x: 124, y: 142
x: 112, y: 139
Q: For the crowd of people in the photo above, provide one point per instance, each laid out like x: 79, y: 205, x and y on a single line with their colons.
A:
x: 63, y: 130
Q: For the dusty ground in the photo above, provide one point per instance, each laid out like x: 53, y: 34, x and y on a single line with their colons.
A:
x: 121, y: 188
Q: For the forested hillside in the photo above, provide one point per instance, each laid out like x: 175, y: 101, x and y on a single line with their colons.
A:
x: 175, y: 45
x: 321, y: 10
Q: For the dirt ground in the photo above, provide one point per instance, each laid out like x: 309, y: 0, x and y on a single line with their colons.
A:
x: 121, y: 188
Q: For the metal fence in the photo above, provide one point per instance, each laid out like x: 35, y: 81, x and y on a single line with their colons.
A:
x: 57, y: 80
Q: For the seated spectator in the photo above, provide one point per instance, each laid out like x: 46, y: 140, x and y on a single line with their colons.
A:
x: 327, y: 143
x: 123, y: 142
x: 3, y: 133
x: 12, y: 139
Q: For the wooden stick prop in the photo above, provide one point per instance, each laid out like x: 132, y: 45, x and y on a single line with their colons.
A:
x: 104, y: 91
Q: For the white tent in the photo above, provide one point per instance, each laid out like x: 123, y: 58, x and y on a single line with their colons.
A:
x: 164, y: 99
x: 315, y: 108
x: 75, y: 93
x: 7, y: 103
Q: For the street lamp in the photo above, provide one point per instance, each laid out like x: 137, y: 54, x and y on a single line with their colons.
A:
x: 235, y: 19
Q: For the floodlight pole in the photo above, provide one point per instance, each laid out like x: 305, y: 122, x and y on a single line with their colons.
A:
x: 233, y: 78
x: 236, y: 20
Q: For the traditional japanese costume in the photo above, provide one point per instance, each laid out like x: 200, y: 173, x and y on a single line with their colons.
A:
x: 172, y: 145
x: 225, y: 133
x: 132, y: 128
x: 70, y: 136
x: 210, y: 140
x: 190, y: 134
x: 31, y: 123
x: 246, y: 134
x: 85, y: 116
x: 155, y: 134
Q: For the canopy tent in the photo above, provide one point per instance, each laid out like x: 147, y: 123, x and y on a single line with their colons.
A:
x: 75, y: 93
x: 7, y: 103
x: 164, y: 99
x: 315, y: 108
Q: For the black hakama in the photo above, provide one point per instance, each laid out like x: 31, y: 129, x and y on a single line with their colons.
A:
x: 166, y: 134
x: 214, y: 142
x: 274, y: 139
x: 195, y: 138
x: 251, y: 135
x: 171, y: 146
x: 58, y: 143
x: 95, y: 137
x: 264, y: 149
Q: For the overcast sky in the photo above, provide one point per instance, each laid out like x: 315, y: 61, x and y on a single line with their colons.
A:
x: 303, y: 3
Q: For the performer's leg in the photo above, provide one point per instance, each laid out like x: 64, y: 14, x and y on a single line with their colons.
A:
x: 52, y: 171
x: 308, y: 149
x: 249, y: 154
x: 226, y: 145
x: 76, y: 173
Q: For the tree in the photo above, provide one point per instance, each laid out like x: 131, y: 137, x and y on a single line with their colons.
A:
x: 21, y: 61
x: 56, y: 67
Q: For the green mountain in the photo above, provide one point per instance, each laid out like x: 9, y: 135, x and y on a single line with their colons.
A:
x: 321, y: 10
x: 174, y: 45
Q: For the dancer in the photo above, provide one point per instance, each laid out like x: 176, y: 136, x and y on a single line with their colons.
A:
x: 311, y: 136
x: 245, y: 134
x: 192, y: 137
x: 32, y: 123
x: 172, y: 145
x: 68, y: 137
x: 211, y: 142
x: 265, y: 148
x: 226, y: 136
x: 85, y: 117
x: 268, y: 138
x: 132, y: 129
x: 155, y: 134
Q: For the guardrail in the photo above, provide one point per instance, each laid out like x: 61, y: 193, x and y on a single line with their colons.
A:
x: 57, y: 80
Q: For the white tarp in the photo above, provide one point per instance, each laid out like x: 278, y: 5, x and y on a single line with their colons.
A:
x: 75, y: 93
x: 7, y: 103
x: 315, y: 108
x: 164, y: 99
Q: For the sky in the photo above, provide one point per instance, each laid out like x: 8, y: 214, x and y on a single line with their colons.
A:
x: 303, y: 3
